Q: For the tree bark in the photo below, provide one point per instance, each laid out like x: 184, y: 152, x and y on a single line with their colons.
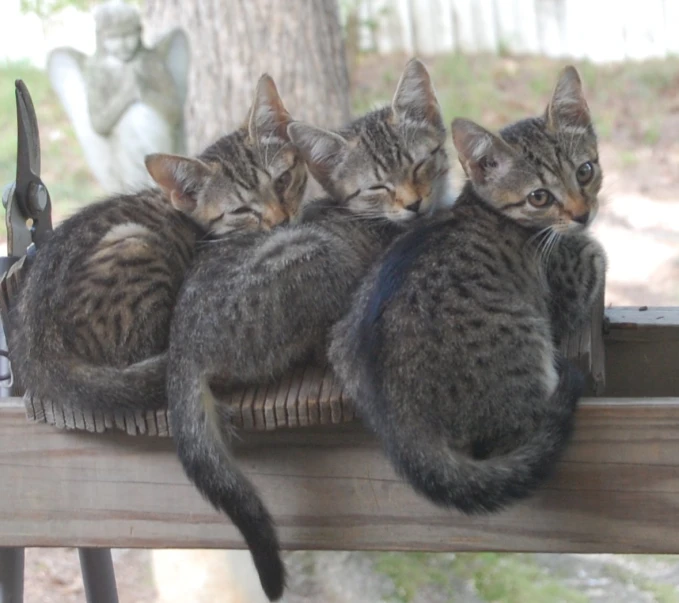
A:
x: 298, y: 42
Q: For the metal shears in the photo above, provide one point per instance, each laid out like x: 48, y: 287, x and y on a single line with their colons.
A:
x: 27, y: 201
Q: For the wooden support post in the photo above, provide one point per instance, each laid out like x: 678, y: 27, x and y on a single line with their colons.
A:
x: 11, y: 575
x: 96, y: 567
x: 642, y: 351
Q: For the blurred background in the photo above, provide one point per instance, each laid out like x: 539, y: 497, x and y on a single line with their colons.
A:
x: 492, y: 61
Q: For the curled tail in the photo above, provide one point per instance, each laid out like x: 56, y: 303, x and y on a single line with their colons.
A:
x: 104, y: 388
x: 452, y: 479
x: 209, y: 464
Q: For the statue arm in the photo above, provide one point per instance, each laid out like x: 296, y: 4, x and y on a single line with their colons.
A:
x: 159, y: 91
x: 109, y: 96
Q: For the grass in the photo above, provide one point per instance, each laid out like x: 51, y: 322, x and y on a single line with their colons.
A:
x: 629, y: 101
x: 661, y: 592
x: 494, y: 577
x: 511, y: 578
x: 628, y: 158
x: 410, y: 572
x: 515, y: 579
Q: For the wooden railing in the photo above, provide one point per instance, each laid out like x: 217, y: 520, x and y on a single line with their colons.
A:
x: 330, y: 487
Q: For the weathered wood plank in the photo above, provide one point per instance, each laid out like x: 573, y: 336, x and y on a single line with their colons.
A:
x: 331, y: 488
x: 642, y: 351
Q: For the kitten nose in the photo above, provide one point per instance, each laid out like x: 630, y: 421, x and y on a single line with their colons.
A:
x: 582, y: 219
x: 414, y: 207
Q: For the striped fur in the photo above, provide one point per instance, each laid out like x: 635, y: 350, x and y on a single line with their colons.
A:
x: 256, y: 305
x: 91, y: 324
x: 449, y: 347
x: 392, y: 159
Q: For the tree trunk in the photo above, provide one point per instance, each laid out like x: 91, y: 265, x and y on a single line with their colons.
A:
x: 298, y: 42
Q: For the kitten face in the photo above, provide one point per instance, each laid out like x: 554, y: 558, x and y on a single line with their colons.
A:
x: 251, y: 179
x: 390, y: 163
x: 542, y: 172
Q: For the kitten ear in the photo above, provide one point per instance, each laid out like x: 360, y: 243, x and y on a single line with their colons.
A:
x: 568, y: 106
x: 415, y: 97
x: 483, y: 155
x: 180, y: 178
x: 267, y: 115
x: 322, y: 150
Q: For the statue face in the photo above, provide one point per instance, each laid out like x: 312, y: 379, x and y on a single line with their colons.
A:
x: 123, y: 46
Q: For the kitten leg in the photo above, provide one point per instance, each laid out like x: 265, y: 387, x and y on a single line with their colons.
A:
x: 576, y: 274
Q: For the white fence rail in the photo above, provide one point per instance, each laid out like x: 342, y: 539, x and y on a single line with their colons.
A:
x: 599, y: 30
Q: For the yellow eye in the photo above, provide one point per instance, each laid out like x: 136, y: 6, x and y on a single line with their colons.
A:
x: 585, y: 173
x: 540, y: 198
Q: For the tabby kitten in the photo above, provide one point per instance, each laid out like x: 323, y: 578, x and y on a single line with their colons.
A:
x: 449, y: 348
x: 256, y: 305
x: 91, y: 324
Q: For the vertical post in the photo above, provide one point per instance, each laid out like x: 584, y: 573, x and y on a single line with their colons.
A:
x: 11, y: 558
x: 11, y: 575
x: 99, y: 578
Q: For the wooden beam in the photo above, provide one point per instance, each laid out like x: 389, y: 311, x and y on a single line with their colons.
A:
x: 642, y: 351
x: 331, y: 488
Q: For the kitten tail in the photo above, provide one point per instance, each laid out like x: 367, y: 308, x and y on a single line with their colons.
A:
x: 104, y: 388
x: 210, y: 465
x: 476, y: 486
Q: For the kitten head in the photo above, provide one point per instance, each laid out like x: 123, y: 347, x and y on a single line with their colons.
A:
x: 250, y: 179
x: 542, y: 172
x: 390, y: 163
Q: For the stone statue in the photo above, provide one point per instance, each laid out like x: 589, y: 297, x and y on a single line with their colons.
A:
x: 126, y: 100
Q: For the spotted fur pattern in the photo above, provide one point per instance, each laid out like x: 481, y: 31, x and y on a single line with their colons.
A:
x: 449, y: 347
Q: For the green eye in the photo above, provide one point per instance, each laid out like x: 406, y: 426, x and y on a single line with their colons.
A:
x: 540, y: 198
x: 585, y: 173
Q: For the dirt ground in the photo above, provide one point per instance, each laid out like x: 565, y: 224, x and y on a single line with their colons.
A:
x: 638, y: 225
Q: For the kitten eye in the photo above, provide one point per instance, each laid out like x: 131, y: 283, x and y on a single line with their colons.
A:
x: 541, y: 198
x: 378, y: 187
x: 242, y: 210
x: 585, y: 173
x: 282, y: 182
x: 426, y: 160
x: 418, y: 166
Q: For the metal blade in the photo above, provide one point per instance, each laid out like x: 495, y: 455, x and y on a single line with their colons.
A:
x: 28, y: 138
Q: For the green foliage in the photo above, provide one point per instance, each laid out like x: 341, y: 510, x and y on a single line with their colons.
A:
x: 412, y: 571
x: 46, y: 8
x: 494, y: 577
x: 350, y: 10
x: 514, y: 578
